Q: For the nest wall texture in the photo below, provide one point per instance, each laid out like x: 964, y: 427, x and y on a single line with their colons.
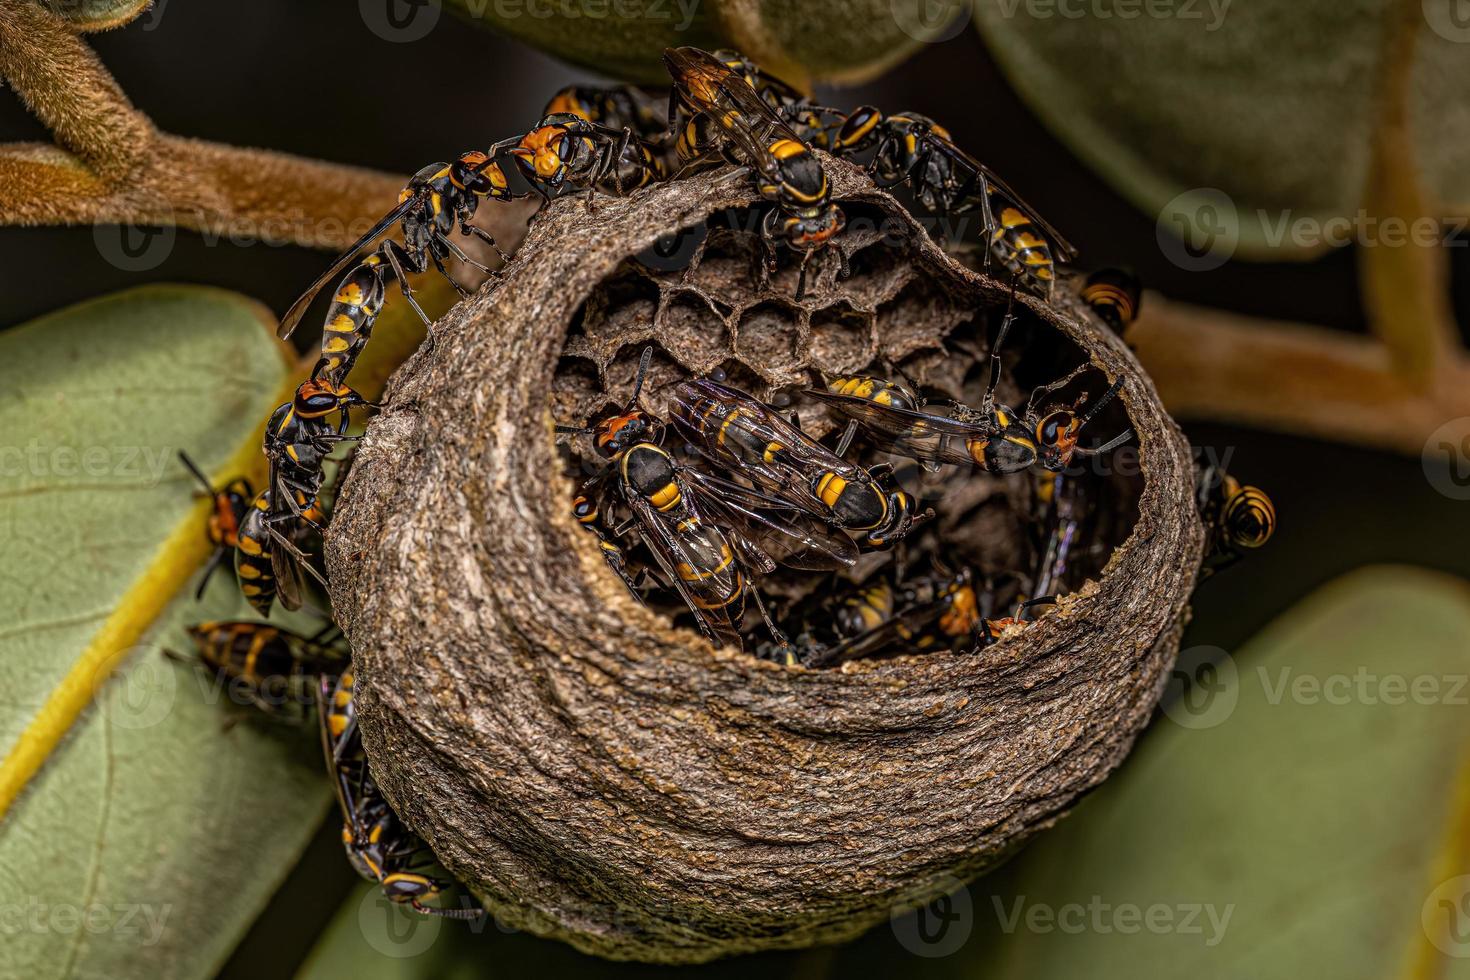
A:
x: 594, y: 773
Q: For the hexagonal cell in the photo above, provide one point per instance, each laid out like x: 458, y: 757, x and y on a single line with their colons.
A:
x: 842, y: 338
x: 878, y: 272
x: 769, y: 339
x: 729, y: 265
x: 663, y: 371
x: 576, y: 390
x: 918, y: 315
x: 694, y: 333
x: 627, y: 297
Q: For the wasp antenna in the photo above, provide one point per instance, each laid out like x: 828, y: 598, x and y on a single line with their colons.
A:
x: 1112, y: 443
x: 198, y: 473
x: 643, y: 363
x: 448, y: 913
x: 573, y: 430
x: 1097, y: 406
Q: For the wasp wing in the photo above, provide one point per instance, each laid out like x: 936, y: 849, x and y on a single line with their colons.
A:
x: 782, y: 531
x: 660, y: 533
x: 925, y: 436
x: 708, y: 86
x: 1064, y: 249
x: 293, y: 316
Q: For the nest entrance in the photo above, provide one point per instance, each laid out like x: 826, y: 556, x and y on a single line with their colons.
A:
x: 702, y: 300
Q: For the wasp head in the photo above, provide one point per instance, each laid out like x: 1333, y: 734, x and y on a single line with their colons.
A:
x: 616, y: 435
x: 545, y: 153
x: 808, y: 229
x: 1056, y: 439
x: 318, y: 397
x: 477, y: 173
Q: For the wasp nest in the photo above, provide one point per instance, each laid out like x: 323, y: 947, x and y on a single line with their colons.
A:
x: 592, y: 769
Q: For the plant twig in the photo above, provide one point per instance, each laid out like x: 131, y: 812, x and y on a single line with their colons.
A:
x: 1291, y: 377
x: 111, y: 165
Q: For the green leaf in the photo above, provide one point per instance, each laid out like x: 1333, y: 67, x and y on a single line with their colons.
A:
x: 802, y: 40
x: 139, y: 832
x: 1277, y: 105
x: 1304, y: 813
x: 98, y: 15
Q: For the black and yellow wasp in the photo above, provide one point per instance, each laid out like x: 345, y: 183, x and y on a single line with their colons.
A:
x: 939, y: 611
x: 616, y: 108
x: 566, y: 150
x: 231, y: 503
x: 748, y: 437
x: 379, y: 847
x: 708, y: 535
x: 1238, y: 518
x: 273, y: 667
x: 948, y: 181
x: 754, y: 134
x: 270, y: 549
x: 811, y: 122
x: 993, y: 437
x: 439, y: 199
x: 1114, y: 295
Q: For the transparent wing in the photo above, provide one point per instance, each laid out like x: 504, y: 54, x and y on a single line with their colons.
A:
x: 920, y: 435
x: 784, y: 532
x: 293, y: 316
x: 660, y: 534
x: 1063, y: 248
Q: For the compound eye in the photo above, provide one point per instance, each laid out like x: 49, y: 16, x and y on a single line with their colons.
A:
x: 1053, y: 429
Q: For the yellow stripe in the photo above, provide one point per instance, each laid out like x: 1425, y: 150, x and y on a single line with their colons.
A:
x: 176, y: 560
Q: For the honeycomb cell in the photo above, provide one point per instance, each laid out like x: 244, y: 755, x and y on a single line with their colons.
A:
x: 769, y: 340
x: 842, y: 338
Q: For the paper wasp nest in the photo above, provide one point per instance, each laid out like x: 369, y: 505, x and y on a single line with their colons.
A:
x: 595, y: 772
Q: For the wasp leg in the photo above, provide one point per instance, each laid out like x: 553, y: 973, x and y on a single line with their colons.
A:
x: 484, y: 236
x: 460, y: 254
x: 398, y: 258
x: 214, y: 563
x: 439, y: 264
x: 845, y: 442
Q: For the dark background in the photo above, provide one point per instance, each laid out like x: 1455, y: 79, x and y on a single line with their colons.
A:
x: 311, y: 79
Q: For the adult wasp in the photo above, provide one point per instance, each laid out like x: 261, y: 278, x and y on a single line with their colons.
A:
x: 753, y: 133
x: 379, y: 847
x: 269, y: 552
x: 567, y: 150
x: 439, y: 198
x: 1238, y: 518
x: 271, y: 666
x: 617, y: 107
x: 948, y: 181
x: 992, y: 437
x: 748, y: 437
x: 1114, y: 295
x: 231, y: 503
x: 708, y: 535
x: 943, y: 610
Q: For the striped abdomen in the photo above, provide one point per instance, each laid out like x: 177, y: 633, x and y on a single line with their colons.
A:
x: 1249, y: 518
x: 253, y: 556
x: 1022, y: 249
x: 350, y: 319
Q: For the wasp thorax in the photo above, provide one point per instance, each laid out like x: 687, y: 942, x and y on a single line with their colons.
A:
x: 652, y: 777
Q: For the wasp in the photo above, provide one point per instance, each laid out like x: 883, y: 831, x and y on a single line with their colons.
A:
x: 231, y: 502
x: 567, y: 150
x: 946, y: 180
x: 379, y: 847
x: 616, y: 108
x: 1238, y: 518
x: 586, y: 509
x: 810, y: 121
x: 939, y: 611
x: 748, y: 437
x: 1114, y: 295
x: 269, y: 553
x: 299, y: 437
x: 785, y: 170
x: 708, y: 535
x: 269, y: 663
x: 993, y: 437
x: 439, y: 198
